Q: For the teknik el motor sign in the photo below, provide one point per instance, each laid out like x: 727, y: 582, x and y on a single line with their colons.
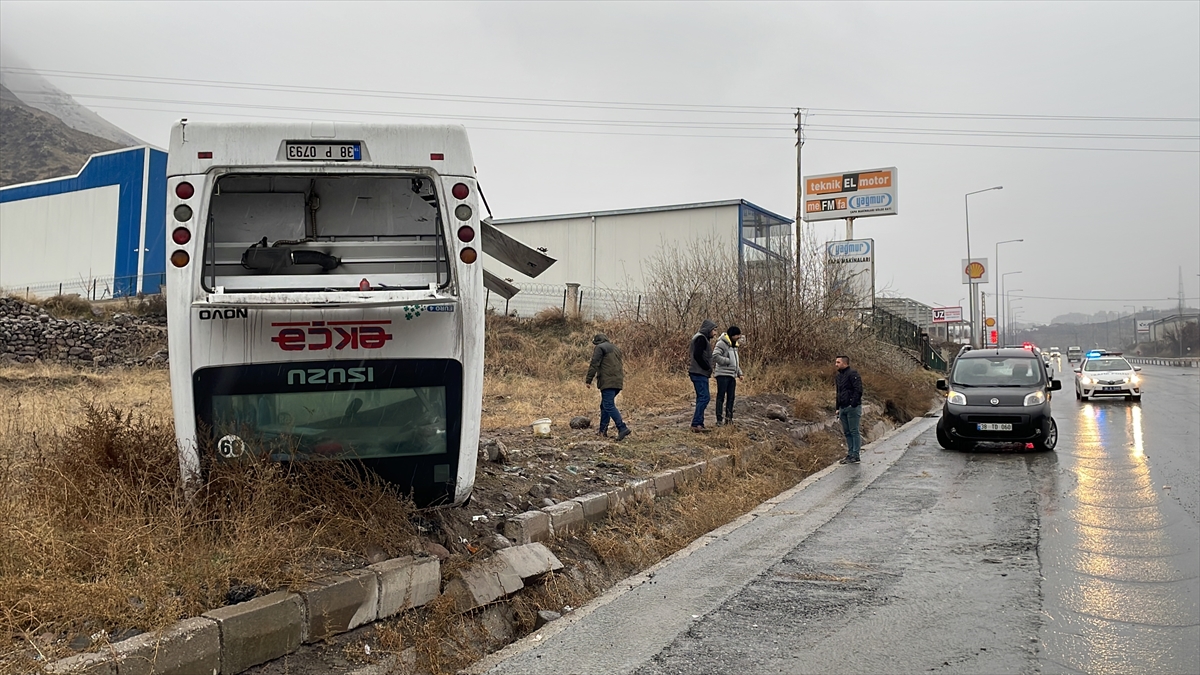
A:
x: 850, y: 195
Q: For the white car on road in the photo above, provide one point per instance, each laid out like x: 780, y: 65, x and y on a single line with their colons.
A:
x: 1104, y: 374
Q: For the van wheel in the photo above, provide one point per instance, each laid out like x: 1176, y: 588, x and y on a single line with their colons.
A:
x: 1049, y: 439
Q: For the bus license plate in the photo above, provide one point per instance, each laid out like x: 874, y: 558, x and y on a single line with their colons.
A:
x: 324, y: 152
x: 994, y: 427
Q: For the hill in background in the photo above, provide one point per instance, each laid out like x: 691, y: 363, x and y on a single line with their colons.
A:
x: 35, y: 145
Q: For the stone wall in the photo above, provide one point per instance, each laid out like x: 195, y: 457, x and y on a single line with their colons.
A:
x: 29, y: 334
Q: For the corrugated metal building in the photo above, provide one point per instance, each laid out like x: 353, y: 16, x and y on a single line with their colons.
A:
x: 609, y: 253
x: 99, y: 233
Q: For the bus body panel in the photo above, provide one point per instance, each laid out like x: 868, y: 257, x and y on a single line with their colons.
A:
x: 215, y: 333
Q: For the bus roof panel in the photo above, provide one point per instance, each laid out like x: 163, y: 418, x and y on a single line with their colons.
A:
x: 257, y: 144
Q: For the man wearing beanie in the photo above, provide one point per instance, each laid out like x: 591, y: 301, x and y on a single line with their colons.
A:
x: 727, y: 370
x: 700, y: 370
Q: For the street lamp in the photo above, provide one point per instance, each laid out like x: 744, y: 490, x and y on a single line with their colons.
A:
x: 1000, y: 285
x: 971, y: 284
x: 1134, y: 317
x: 1004, y: 322
x: 1008, y: 301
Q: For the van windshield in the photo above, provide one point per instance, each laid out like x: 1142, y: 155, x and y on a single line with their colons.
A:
x: 997, y: 372
x: 323, y: 232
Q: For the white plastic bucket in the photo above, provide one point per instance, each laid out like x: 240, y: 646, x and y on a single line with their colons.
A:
x: 541, y: 427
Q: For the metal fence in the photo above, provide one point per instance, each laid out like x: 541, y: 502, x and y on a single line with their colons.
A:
x: 906, y: 335
x: 92, y: 288
x: 1162, y: 361
x: 589, y: 303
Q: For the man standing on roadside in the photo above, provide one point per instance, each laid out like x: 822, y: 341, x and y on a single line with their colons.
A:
x: 700, y: 370
x: 609, y: 372
x: 849, y: 407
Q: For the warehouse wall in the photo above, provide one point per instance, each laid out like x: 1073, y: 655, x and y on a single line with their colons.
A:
x: 623, y: 247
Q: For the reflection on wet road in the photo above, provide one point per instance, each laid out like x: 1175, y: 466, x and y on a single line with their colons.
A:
x: 1120, y: 543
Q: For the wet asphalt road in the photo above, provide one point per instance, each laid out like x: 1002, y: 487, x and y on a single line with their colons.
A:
x: 923, y: 560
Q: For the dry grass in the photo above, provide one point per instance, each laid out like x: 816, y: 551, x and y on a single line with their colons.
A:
x: 97, y: 533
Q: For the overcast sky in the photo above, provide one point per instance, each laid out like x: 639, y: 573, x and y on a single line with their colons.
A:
x: 1103, y: 228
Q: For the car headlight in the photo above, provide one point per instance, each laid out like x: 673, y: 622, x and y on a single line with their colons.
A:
x: 1085, y: 379
x: 1036, y: 398
x: 956, y: 398
x: 1133, y: 379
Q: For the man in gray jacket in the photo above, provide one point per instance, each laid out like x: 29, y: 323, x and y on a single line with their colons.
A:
x: 609, y: 372
x: 700, y: 369
x: 728, y: 371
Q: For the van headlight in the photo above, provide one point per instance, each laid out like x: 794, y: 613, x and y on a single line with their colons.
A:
x: 956, y: 398
x: 1036, y: 398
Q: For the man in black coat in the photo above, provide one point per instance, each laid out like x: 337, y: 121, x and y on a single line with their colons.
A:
x: 700, y: 369
x: 849, y: 407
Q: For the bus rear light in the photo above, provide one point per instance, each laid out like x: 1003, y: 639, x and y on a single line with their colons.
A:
x: 180, y: 258
x: 183, y: 213
x: 184, y: 190
x: 364, y: 285
x: 204, y: 155
x: 466, y: 233
x: 460, y: 191
x: 468, y: 255
x: 462, y: 212
x: 436, y: 155
x: 181, y: 235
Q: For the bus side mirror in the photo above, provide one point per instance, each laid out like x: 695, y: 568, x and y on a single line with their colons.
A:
x: 1055, y: 385
x: 941, y: 385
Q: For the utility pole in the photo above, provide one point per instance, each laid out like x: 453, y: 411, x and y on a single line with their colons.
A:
x: 799, y: 188
x: 1180, y: 323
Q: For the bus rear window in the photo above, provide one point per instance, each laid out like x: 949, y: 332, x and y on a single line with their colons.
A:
x: 305, y: 232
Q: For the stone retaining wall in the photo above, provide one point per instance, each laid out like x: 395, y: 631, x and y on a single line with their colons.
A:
x: 29, y: 334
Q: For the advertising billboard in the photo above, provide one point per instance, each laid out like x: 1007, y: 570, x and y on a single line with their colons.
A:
x: 947, y: 314
x: 855, y: 194
x: 1143, y: 326
x: 975, y: 271
x: 851, y: 265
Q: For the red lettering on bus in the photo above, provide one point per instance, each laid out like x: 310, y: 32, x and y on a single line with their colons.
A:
x: 316, y: 337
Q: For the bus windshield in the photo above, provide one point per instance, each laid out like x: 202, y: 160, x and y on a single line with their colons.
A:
x: 324, y: 232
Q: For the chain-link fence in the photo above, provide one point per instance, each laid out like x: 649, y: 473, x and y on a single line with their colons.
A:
x: 92, y: 288
x: 589, y: 303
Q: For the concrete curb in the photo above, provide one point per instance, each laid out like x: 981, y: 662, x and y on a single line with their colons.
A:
x: 232, y: 639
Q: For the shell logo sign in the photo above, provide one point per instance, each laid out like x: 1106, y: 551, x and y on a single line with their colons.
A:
x: 975, y: 271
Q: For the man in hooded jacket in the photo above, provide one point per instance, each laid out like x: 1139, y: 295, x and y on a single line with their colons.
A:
x: 609, y: 372
x: 700, y: 370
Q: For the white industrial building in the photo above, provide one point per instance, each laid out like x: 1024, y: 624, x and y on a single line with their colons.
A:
x: 99, y: 233
x: 609, y: 253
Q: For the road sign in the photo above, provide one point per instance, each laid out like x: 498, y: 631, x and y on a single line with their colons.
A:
x: 1143, y: 325
x: 989, y: 322
x: 856, y: 194
x: 852, y: 265
x: 947, y: 314
x: 975, y: 271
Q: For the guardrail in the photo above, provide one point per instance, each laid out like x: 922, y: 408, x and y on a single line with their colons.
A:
x: 1162, y: 361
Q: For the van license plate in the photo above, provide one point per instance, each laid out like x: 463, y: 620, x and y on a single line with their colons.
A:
x: 324, y: 152
x: 994, y: 427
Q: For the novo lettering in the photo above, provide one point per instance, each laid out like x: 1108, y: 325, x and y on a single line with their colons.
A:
x: 223, y: 314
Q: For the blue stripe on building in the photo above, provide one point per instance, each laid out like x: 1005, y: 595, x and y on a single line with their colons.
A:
x: 124, y: 169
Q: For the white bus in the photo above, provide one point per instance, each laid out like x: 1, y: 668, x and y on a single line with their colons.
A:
x: 326, y: 297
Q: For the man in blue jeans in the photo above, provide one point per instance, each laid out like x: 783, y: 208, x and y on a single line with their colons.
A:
x: 608, y: 370
x: 700, y: 370
x: 849, y: 407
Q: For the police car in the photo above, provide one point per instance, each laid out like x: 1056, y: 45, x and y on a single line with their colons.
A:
x: 1107, y: 374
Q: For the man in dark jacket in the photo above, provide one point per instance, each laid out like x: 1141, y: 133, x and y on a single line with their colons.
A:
x: 700, y: 370
x: 849, y: 407
x: 609, y: 372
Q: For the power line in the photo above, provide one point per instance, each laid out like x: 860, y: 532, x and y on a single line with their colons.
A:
x: 640, y: 105
x: 1042, y: 297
